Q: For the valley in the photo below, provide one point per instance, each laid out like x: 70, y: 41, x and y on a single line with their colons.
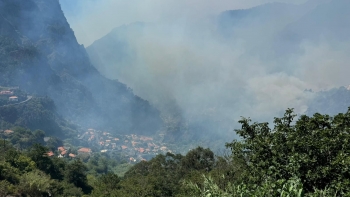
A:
x: 174, y: 98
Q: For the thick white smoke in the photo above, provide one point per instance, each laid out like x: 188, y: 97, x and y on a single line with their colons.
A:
x: 182, y: 59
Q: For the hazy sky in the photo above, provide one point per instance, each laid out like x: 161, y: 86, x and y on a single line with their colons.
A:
x: 92, y: 19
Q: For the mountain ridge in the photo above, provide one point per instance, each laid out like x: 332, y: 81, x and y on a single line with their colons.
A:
x: 51, y: 62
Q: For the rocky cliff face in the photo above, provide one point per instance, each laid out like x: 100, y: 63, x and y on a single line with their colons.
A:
x: 39, y: 53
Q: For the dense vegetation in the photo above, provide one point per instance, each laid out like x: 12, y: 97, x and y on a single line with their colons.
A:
x: 37, y: 113
x: 304, y: 157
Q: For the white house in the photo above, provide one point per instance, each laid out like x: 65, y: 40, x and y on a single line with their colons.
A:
x: 13, y: 98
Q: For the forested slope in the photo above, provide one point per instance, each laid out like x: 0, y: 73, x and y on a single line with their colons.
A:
x: 40, y: 53
x: 299, y: 156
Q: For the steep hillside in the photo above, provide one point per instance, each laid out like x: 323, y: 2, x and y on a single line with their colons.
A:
x: 116, y: 49
x: 37, y: 113
x: 39, y: 52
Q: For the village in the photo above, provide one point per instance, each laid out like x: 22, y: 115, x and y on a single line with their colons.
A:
x: 133, y: 147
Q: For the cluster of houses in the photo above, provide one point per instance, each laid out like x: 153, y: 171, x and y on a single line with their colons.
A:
x: 64, y: 152
x: 10, y: 94
x: 135, y: 148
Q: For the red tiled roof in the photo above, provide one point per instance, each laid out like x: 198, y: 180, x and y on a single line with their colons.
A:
x: 64, y: 152
x: 71, y: 155
x: 50, y: 154
x: 61, y: 149
x: 85, y: 150
x: 124, y: 147
x: 141, y: 150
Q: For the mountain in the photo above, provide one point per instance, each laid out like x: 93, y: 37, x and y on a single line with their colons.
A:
x: 327, y: 22
x: 280, y: 25
x: 271, y: 15
x: 332, y: 102
x: 116, y: 49
x: 39, y: 53
x: 161, y: 57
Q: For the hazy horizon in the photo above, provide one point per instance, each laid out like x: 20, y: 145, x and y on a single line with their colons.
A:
x: 91, y: 19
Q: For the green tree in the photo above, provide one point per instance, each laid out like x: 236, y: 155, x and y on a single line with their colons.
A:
x: 199, y: 159
x: 9, y: 173
x: 76, y: 174
x: 315, y: 149
x: 38, y: 154
x: 39, y: 136
x: 35, y: 183
x: 106, y: 185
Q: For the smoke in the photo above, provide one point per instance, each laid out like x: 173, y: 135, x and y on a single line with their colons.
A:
x: 92, y: 19
x: 324, y: 66
x: 182, y: 59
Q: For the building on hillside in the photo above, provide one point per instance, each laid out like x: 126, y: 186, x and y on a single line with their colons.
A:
x: 50, y: 154
x: 72, y: 155
x: 8, y: 132
x: 64, y: 152
x: 61, y: 149
x: 13, y: 98
x: 84, y: 151
x: 6, y: 92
